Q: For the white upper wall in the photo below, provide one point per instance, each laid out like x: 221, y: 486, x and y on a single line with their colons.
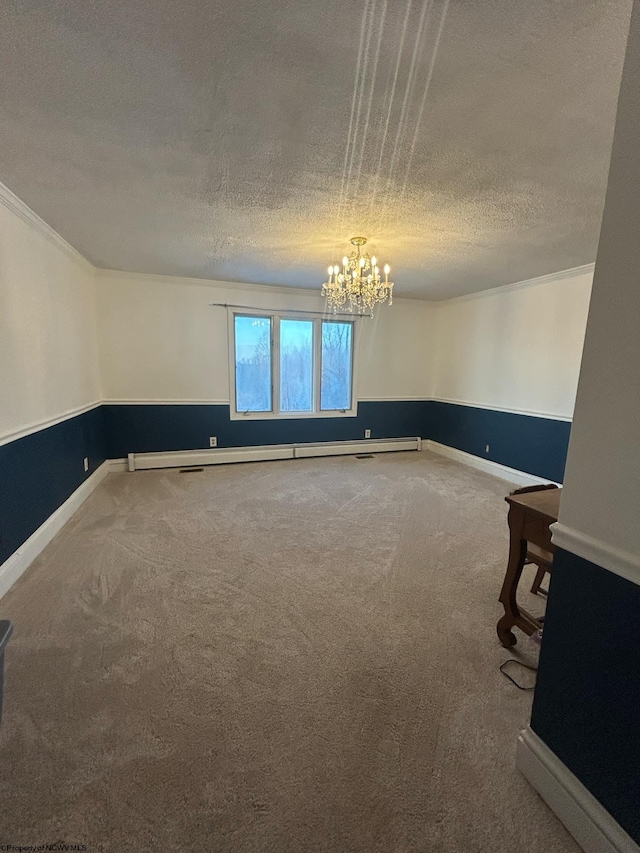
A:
x: 48, y: 346
x: 516, y: 348
x: 160, y: 339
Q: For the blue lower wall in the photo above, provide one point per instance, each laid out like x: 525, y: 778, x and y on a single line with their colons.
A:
x: 145, y: 428
x: 587, y: 700
x: 532, y: 444
x: 40, y: 471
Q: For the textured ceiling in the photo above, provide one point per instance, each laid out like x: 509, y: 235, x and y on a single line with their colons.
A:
x: 247, y: 141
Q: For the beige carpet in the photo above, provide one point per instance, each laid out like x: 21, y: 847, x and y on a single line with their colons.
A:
x: 283, y: 656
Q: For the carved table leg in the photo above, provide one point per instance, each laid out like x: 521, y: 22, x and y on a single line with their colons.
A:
x: 517, y: 555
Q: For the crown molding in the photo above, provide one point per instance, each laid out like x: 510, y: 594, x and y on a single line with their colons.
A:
x: 215, y: 284
x: 22, y: 211
x: 573, y: 272
x: 219, y: 284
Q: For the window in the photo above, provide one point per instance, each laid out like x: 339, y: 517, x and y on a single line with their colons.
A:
x: 284, y: 366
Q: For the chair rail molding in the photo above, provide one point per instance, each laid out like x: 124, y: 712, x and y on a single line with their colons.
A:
x: 622, y: 563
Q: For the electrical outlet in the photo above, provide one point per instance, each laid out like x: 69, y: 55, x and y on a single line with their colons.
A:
x: 367, y: 433
x: 213, y: 441
x: 86, y: 463
x: 486, y: 450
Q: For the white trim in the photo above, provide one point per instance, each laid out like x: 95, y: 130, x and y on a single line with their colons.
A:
x: 326, y: 414
x: 36, y: 427
x: 347, y: 448
x: 149, y: 401
x: 512, y: 475
x: 572, y: 272
x: 310, y: 293
x: 587, y: 820
x: 112, y: 401
x: 615, y: 560
x: 21, y: 559
x: 23, y: 212
x: 261, y: 453
x: 116, y: 466
x: 407, y: 399
x: 534, y: 413
x: 218, y: 456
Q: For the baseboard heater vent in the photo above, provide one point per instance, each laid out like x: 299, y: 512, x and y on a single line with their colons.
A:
x: 224, y: 455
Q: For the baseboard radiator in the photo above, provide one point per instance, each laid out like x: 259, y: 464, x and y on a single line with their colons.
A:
x: 225, y: 455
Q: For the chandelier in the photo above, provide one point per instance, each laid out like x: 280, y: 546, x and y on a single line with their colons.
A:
x: 358, y: 285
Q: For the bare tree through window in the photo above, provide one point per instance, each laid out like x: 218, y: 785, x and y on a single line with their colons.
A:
x: 253, y: 364
x: 302, y: 365
x: 335, y: 392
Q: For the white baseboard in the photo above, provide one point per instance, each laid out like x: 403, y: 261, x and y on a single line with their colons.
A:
x: 217, y: 456
x: 117, y: 465
x: 347, y: 448
x: 586, y: 819
x: 512, y: 475
x: 21, y: 559
x: 261, y: 453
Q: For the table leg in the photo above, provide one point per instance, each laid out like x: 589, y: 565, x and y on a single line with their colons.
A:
x: 517, y: 556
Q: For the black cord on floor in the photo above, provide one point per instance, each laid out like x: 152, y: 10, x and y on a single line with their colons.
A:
x: 519, y: 662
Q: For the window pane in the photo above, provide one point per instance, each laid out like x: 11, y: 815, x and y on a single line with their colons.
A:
x: 335, y: 386
x: 253, y: 364
x: 296, y: 365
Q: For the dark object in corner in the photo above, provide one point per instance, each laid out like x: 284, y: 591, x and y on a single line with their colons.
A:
x: 364, y: 455
x: 6, y: 630
x: 190, y: 470
x: 511, y: 679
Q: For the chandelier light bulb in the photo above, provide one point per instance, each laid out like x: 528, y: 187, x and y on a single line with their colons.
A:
x: 362, y: 262
x: 387, y: 269
x: 345, y: 261
x: 373, y: 261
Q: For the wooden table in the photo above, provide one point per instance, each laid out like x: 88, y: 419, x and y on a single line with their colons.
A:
x: 530, y: 515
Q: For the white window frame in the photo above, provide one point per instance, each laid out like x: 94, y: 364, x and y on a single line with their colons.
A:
x: 276, y: 317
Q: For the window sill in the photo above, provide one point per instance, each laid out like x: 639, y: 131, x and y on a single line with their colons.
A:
x: 288, y: 416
